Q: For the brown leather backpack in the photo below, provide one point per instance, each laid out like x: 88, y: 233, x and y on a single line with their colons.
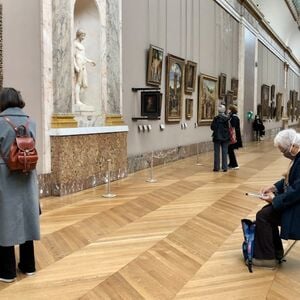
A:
x: 22, y: 154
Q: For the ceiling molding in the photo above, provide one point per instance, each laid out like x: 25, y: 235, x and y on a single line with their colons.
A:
x: 249, y: 5
x: 293, y: 10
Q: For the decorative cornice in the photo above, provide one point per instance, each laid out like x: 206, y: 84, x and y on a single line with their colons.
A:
x: 253, y: 10
x: 293, y: 11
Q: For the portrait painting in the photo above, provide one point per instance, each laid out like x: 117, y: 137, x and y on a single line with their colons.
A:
x: 222, y: 85
x: 190, y: 77
x: 151, y: 104
x: 272, y: 91
x: 189, y: 108
x: 265, y: 96
x: 207, y: 99
x: 228, y: 99
x: 234, y: 87
x: 278, y: 106
x: 174, y: 88
x: 155, y: 64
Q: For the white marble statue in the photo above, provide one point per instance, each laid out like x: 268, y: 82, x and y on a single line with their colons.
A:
x: 80, y: 62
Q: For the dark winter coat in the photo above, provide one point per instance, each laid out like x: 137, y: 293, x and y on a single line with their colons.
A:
x: 235, y: 122
x: 19, y: 195
x: 220, y: 128
x: 287, y: 200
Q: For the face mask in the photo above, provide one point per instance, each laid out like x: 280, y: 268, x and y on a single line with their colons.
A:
x: 288, y: 155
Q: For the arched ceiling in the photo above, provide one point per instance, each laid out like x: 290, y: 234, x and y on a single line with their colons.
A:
x: 283, y: 17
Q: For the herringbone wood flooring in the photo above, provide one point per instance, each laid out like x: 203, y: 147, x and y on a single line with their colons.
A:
x: 179, y: 238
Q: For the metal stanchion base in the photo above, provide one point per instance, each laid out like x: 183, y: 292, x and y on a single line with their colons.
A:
x: 198, y: 164
x: 110, y: 195
x: 151, y: 180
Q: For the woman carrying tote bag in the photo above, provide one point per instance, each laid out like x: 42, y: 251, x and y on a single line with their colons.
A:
x: 235, y: 123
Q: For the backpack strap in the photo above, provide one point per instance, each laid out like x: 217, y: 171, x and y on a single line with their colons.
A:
x: 15, y: 128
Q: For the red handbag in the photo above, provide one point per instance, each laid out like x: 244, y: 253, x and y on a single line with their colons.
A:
x: 232, y: 134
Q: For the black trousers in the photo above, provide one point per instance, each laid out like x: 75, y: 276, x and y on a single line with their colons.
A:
x: 8, y: 260
x: 232, y: 159
x: 268, y: 244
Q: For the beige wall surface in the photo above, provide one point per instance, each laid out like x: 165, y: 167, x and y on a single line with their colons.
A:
x: 195, y: 30
x: 22, y: 55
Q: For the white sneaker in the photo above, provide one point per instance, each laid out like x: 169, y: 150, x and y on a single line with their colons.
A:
x: 7, y: 280
x: 236, y: 168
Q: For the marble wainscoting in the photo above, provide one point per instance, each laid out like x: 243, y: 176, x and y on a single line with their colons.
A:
x: 79, y: 158
x: 142, y: 161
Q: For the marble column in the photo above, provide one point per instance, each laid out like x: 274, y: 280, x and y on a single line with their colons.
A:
x: 62, y: 63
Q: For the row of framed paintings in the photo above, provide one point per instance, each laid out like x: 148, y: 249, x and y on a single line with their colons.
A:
x: 181, y: 78
x: 270, y: 109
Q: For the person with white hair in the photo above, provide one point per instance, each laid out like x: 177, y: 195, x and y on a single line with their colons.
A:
x: 221, y: 138
x: 283, y: 208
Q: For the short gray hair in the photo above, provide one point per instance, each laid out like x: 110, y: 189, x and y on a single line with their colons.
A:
x: 221, y: 108
x: 286, y: 138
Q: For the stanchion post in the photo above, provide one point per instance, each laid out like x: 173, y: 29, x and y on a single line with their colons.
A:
x: 151, y: 179
x: 108, y: 192
x: 197, y: 162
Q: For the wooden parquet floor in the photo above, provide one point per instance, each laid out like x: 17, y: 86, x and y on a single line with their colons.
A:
x: 179, y: 238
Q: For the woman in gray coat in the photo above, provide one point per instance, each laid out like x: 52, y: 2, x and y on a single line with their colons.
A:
x: 19, y: 198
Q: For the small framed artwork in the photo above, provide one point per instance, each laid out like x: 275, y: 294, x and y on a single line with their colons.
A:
x: 174, y: 88
x: 272, y: 91
x: 234, y: 87
x: 155, y: 63
x: 265, y: 96
x: 228, y: 99
x: 189, y: 108
x: 207, y: 99
x: 151, y: 104
x: 190, y: 77
x: 222, y: 85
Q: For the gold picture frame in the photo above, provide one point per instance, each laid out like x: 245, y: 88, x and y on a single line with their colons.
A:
x: 207, y: 99
x: 189, y: 108
x: 154, y: 66
x: 190, y: 77
x: 174, y: 88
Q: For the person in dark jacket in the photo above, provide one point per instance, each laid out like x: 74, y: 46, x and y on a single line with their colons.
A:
x: 259, y: 128
x: 283, y: 206
x: 235, y: 123
x: 19, y: 195
x: 220, y: 127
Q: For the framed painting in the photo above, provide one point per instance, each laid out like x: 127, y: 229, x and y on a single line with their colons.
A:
x: 151, y: 104
x: 190, y: 77
x: 265, y: 94
x: 228, y: 99
x: 272, y: 91
x: 189, y: 108
x: 234, y: 87
x: 222, y: 85
x: 207, y: 99
x: 259, y: 111
x: 154, y: 66
x: 174, y: 88
x: 278, y: 106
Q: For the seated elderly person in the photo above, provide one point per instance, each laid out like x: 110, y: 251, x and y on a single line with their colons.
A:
x: 283, y: 208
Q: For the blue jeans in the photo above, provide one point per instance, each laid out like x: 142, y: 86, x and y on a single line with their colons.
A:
x: 224, y: 149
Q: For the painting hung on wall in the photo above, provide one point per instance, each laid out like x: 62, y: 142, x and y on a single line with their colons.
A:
x: 174, y: 88
x: 278, y: 106
x: 234, y: 87
x: 259, y: 111
x: 222, y: 85
x: 188, y: 108
x: 265, y: 94
x: 297, y: 110
x: 207, y: 99
x: 228, y: 99
x: 190, y: 77
x: 155, y: 63
x: 272, y: 91
x: 151, y: 104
